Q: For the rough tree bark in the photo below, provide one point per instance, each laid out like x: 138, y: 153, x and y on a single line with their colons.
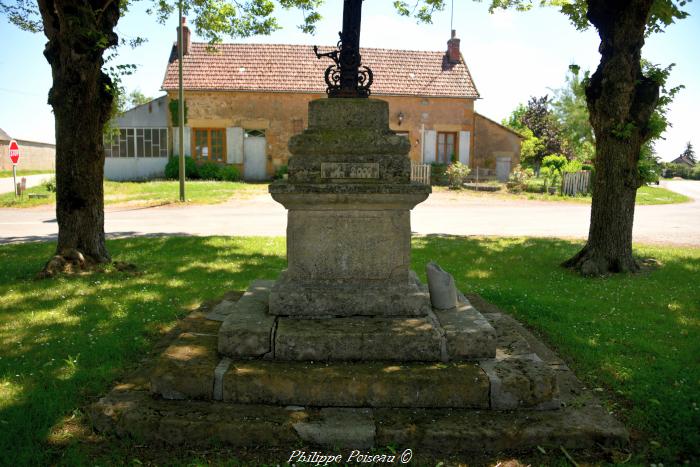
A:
x: 620, y: 101
x: 78, y: 33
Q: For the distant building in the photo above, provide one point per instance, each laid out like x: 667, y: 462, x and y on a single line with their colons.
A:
x: 244, y: 102
x: 683, y: 160
x: 141, y: 146
x: 33, y: 155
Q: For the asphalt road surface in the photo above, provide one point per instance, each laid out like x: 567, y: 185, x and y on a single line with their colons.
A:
x: 442, y: 213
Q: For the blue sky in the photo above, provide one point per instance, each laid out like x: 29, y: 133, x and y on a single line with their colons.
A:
x: 511, y: 55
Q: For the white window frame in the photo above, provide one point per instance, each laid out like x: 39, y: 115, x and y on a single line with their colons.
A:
x: 128, y: 140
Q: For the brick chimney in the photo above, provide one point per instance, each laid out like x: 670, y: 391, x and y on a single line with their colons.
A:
x: 453, y: 48
x: 185, y: 37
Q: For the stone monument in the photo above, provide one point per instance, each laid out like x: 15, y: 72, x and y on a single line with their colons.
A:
x: 344, y: 349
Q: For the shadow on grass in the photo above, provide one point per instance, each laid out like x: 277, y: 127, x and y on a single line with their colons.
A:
x: 638, y: 335
x: 64, y: 341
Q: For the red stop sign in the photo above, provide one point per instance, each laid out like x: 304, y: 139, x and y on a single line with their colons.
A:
x: 14, y: 152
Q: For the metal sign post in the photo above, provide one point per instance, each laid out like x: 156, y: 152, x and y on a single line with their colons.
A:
x: 14, y: 157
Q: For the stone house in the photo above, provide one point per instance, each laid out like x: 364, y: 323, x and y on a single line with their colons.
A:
x: 33, y: 154
x: 244, y: 102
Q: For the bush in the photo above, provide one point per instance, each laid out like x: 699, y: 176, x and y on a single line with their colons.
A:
x: 50, y: 185
x: 172, y: 168
x: 281, y: 172
x: 210, y: 171
x: 230, y: 173
x: 552, y: 178
x: 572, y: 166
x: 517, y: 180
x: 554, y: 162
x: 457, y: 174
x: 438, y: 174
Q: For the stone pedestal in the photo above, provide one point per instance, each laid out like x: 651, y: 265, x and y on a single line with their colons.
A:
x: 349, y: 198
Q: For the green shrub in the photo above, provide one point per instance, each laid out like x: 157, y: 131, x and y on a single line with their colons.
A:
x: 50, y: 185
x: 281, y: 172
x: 457, y: 174
x: 210, y: 171
x: 572, y: 166
x: 230, y: 173
x: 554, y: 161
x: 438, y: 175
x: 518, y: 179
x: 172, y: 168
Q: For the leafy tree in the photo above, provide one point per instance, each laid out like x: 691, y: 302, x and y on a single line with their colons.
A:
x: 689, y: 153
x: 621, y: 100
x: 571, y: 111
x: 536, y: 123
x: 134, y: 99
x: 83, y: 95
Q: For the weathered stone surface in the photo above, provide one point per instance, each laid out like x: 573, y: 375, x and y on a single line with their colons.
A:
x: 361, y: 338
x: 443, y: 292
x: 247, y: 331
x: 350, y: 298
x: 221, y: 311
x: 453, y: 431
x: 524, y: 381
x: 201, y: 424
x: 348, y: 114
x: 469, y: 335
x: 361, y: 384
x: 186, y: 369
x: 137, y: 415
x: 339, y: 428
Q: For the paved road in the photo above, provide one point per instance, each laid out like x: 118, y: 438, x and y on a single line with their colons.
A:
x: 6, y: 184
x: 443, y: 213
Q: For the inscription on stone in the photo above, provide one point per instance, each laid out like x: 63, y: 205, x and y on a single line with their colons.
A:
x: 349, y: 170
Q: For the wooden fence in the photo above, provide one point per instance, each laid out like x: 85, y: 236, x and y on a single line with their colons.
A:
x: 575, y: 183
x: 420, y: 173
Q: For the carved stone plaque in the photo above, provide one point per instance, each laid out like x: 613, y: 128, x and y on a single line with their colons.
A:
x: 349, y: 170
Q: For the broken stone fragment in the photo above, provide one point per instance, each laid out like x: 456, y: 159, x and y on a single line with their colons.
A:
x: 443, y: 292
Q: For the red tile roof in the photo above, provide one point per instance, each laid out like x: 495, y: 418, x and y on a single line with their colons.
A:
x: 295, y: 68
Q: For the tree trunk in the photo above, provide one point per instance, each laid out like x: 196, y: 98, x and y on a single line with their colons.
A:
x: 78, y: 34
x: 620, y: 101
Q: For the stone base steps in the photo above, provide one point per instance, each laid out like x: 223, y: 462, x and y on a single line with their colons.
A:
x: 136, y: 414
x: 249, y: 331
x: 191, y: 368
x: 310, y: 400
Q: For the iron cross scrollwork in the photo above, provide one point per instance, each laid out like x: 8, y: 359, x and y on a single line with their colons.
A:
x: 347, y: 77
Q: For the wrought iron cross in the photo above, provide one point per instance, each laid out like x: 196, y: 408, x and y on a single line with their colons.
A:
x: 348, y: 77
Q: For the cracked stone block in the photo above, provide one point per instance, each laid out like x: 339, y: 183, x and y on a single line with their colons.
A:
x: 359, y: 338
x: 524, y: 381
x: 247, y: 330
x: 469, y: 335
x: 339, y: 428
x: 185, y: 370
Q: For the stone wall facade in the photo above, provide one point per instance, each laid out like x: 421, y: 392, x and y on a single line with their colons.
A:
x: 282, y: 115
x: 491, y: 141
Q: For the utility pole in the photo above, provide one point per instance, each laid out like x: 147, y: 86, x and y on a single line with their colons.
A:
x: 181, y: 103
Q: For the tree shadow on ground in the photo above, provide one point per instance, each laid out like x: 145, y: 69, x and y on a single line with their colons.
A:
x: 65, y: 340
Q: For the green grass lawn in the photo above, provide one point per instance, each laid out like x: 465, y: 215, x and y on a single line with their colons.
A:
x: 645, y: 195
x: 151, y: 193
x: 635, y: 339
x: 23, y: 173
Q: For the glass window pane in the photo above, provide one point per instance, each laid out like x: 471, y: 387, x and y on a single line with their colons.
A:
x: 163, y: 141
x: 139, y: 144
x: 130, y: 142
x: 122, y: 143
